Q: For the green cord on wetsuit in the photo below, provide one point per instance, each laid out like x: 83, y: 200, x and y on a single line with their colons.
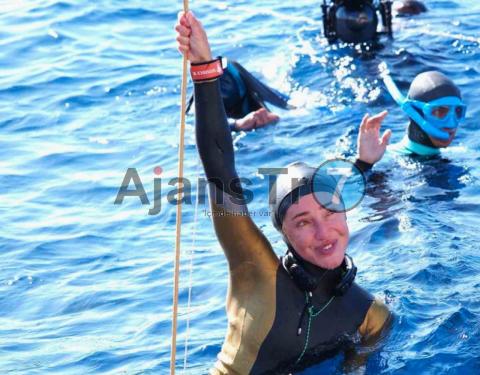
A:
x: 311, y: 314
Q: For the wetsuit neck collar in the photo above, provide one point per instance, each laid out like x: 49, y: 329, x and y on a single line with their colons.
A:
x: 309, y: 277
x: 417, y: 148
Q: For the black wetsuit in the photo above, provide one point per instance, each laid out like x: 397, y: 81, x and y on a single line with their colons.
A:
x: 264, y: 305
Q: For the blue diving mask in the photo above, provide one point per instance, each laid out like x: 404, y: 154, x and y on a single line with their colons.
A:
x: 432, y: 117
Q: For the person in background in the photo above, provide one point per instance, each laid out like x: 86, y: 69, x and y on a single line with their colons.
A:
x: 245, y: 97
x: 409, y: 7
x: 435, y: 110
x: 357, y: 21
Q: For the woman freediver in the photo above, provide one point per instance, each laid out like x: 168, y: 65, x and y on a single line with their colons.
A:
x: 283, y: 314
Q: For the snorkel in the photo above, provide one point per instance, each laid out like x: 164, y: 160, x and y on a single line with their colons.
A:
x: 433, y: 103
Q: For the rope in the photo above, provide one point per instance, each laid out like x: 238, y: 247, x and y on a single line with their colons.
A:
x: 181, y: 150
x: 190, y: 273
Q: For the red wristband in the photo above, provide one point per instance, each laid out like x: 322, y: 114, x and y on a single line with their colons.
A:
x: 206, y: 71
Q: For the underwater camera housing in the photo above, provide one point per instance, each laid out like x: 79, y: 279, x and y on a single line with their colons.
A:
x: 356, y: 21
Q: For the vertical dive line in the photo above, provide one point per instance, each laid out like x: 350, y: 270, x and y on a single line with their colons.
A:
x: 181, y: 148
x: 190, y: 269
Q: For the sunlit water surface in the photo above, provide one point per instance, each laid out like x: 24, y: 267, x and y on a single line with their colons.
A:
x: 90, y: 89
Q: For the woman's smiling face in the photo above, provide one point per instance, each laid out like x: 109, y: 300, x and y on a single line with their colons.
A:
x: 319, y: 236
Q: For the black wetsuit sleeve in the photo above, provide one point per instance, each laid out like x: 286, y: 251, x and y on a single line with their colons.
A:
x: 214, y: 139
x: 363, y: 166
x: 232, y: 126
x: 241, y: 240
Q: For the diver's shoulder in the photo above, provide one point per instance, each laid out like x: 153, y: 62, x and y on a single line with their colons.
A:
x: 377, y: 317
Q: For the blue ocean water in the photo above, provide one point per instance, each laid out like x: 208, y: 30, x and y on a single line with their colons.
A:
x: 90, y: 89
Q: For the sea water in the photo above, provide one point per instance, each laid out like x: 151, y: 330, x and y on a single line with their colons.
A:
x: 91, y: 89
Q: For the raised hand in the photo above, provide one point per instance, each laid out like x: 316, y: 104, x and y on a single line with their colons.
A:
x: 370, y: 145
x: 192, y: 39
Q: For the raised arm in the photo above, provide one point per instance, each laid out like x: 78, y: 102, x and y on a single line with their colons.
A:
x: 241, y: 240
